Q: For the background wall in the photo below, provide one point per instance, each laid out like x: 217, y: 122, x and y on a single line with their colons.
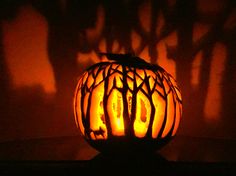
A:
x: 46, y: 45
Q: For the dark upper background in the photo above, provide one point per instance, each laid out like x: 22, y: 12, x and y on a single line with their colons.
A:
x: 45, y: 46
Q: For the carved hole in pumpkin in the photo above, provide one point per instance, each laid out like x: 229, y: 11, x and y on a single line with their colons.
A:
x: 115, y: 112
x: 142, y: 118
x: 129, y: 99
x: 143, y: 112
x: 102, y: 113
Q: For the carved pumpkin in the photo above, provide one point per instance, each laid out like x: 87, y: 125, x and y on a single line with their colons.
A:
x: 124, y: 105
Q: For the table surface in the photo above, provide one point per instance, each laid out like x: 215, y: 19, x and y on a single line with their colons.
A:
x: 70, y: 153
x: 181, y: 148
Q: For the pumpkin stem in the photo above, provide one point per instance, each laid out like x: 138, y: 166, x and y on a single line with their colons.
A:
x: 127, y: 58
x: 130, y: 59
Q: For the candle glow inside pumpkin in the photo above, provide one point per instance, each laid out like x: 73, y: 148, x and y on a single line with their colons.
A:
x: 113, y: 100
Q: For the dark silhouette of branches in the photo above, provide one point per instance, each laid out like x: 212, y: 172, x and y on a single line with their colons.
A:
x: 68, y: 21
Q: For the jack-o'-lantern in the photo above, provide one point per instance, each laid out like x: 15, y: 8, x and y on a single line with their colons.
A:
x: 127, y: 105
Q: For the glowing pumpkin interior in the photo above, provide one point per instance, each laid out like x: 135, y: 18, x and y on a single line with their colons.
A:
x: 118, y: 100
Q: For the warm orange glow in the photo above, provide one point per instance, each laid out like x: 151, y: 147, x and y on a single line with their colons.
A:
x: 170, y: 114
x: 117, y: 78
x: 87, y: 58
x: 145, y: 54
x: 143, y: 112
x: 196, y: 67
x: 145, y: 16
x: 129, y: 100
x: 140, y: 73
x: 168, y: 64
x: 138, y: 80
x: 104, y: 99
x: 77, y: 110
x: 85, y: 105
x: 25, y: 50
x: 161, y: 23
x: 102, y: 45
x: 178, y: 116
x: 96, y: 111
x: 159, y: 104
x: 78, y: 122
x: 199, y: 30
x: 115, y: 111
x: 213, y: 99
x: 90, y: 80
x: 115, y: 47
x: 135, y: 40
x: 130, y: 83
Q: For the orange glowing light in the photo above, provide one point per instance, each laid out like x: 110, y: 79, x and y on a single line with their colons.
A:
x: 196, y: 68
x: 112, y: 97
x: 213, y: 98
x: 145, y: 16
x: 26, y: 50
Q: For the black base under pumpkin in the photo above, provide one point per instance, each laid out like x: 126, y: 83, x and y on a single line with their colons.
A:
x: 128, y: 146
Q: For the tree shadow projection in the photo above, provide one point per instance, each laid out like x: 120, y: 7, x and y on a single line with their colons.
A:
x: 8, y: 11
x: 139, y: 26
x: 181, y: 18
x: 66, y: 23
x: 228, y: 91
x: 186, y: 50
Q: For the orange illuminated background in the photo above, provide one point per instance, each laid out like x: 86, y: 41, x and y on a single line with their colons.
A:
x: 45, y: 46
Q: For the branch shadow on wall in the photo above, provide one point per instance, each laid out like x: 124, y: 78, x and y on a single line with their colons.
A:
x: 67, y: 36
